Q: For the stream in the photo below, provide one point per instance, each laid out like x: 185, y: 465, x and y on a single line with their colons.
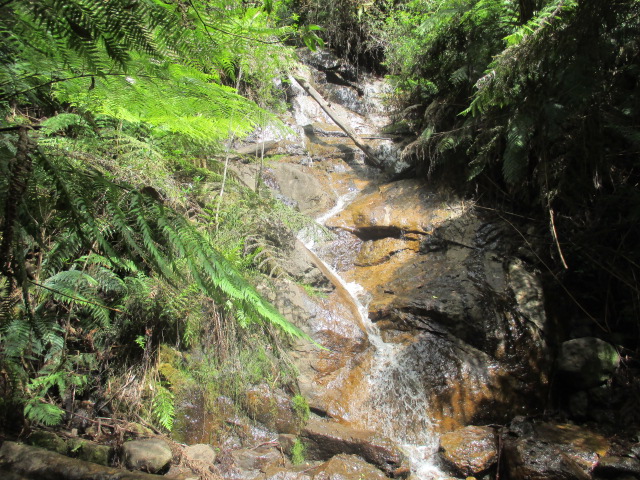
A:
x: 429, y: 321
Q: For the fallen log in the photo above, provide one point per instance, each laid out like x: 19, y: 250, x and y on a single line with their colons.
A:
x: 256, y: 148
x: 35, y: 463
x: 340, y: 122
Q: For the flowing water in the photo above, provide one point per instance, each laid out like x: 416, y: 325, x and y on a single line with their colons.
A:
x: 398, y: 406
x: 457, y: 328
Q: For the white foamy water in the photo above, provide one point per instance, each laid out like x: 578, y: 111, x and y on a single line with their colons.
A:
x: 398, y: 405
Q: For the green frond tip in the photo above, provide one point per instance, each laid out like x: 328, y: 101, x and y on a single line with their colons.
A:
x: 45, y: 413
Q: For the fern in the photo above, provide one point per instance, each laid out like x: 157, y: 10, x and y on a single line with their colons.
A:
x: 515, y: 160
x: 163, y: 408
x: 42, y: 412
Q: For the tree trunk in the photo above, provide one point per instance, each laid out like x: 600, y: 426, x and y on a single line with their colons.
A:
x: 340, y: 122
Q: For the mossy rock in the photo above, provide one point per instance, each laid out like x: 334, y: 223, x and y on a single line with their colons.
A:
x: 140, y: 430
x: 91, y: 451
x: 49, y: 441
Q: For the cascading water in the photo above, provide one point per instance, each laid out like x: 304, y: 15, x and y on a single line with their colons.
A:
x: 398, y: 405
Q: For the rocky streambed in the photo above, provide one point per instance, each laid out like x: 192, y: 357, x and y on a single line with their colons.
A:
x: 437, y: 354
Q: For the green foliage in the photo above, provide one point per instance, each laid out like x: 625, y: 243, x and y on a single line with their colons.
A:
x: 301, y: 407
x: 107, y: 109
x: 163, y: 406
x: 536, y: 103
x: 298, y: 452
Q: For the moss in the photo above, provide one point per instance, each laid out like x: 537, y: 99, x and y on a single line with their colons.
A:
x: 298, y: 451
x: 91, y: 451
x: 301, y: 407
x: 48, y: 441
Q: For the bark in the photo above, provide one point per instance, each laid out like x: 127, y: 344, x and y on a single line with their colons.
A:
x: 339, y: 121
x: 36, y: 463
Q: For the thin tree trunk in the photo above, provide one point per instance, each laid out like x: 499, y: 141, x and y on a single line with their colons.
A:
x: 338, y: 120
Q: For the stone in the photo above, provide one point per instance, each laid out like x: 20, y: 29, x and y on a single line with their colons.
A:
x: 33, y: 463
x: 256, y: 458
x: 91, y: 451
x: 48, y: 441
x: 392, y: 210
x: 282, y: 474
x: 551, y: 450
x: 530, y: 458
x: 470, y: 451
x: 324, y: 439
x: 346, y: 467
x: 272, y: 408
x: 177, y: 472
x: 617, y: 467
x: 151, y: 455
x: 587, y: 362
x: 200, y: 453
x: 301, y: 188
x: 286, y: 442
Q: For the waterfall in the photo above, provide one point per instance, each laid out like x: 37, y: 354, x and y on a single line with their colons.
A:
x: 399, y: 404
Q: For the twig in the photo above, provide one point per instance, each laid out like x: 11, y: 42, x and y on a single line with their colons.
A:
x: 554, y: 233
x: 503, y: 211
x: 555, y: 277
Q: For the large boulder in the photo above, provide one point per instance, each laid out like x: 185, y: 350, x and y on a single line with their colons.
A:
x: 587, y: 362
x: 151, y: 455
x: 470, y: 451
x: 550, y: 451
x: 324, y: 439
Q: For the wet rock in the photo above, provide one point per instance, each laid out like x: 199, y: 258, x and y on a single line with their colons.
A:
x: 617, y: 467
x: 248, y: 463
x: 587, y: 362
x: 332, y: 321
x: 324, y: 439
x: 282, y: 474
x: 179, y: 472
x: 32, y: 463
x: 286, y: 442
x: 273, y: 409
x: 346, y: 467
x: 303, y: 188
x: 550, y: 450
x: 534, y: 459
x: 257, y: 458
x: 392, y: 210
x: 473, y: 321
x: 470, y: 451
x: 151, y: 455
x: 376, y: 252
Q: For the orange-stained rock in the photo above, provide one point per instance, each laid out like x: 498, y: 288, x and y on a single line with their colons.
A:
x: 376, y: 252
x: 394, y: 209
x: 324, y: 439
x: 346, y: 467
x: 470, y: 451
